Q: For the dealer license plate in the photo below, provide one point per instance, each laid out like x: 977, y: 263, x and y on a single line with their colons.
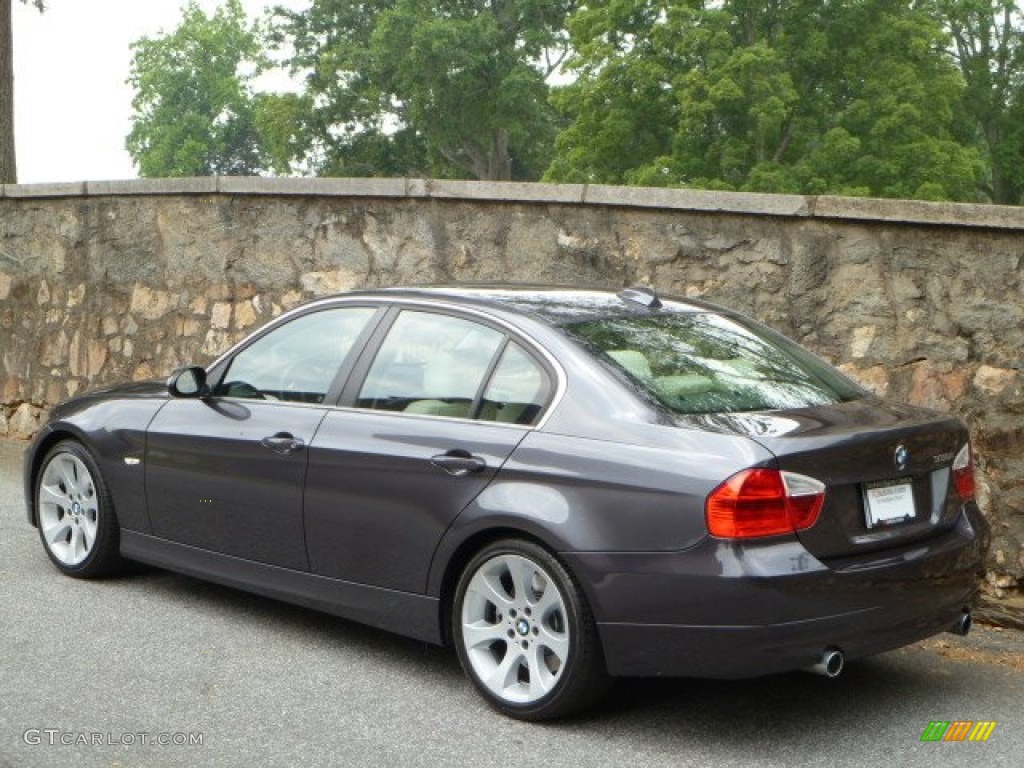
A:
x: 889, y: 504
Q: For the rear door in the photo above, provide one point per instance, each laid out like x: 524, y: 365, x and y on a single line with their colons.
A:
x: 431, y: 415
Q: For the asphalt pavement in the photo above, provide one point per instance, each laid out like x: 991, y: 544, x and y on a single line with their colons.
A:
x: 154, y: 669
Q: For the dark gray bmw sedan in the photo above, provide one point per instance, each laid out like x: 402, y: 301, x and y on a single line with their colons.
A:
x: 566, y: 485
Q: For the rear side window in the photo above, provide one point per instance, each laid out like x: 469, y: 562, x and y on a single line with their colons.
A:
x: 703, y: 362
x: 441, y: 365
x: 430, y: 364
x: 518, y: 389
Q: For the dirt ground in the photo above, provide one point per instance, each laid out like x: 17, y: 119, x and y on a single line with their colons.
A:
x: 995, y: 646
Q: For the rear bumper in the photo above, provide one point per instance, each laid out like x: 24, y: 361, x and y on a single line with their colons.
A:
x: 730, y: 610
x: 638, y: 650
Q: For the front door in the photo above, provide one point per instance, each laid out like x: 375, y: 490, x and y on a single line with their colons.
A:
x: 226, y: 472
x: 227, y: 475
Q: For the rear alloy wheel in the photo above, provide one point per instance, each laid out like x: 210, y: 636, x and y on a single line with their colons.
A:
x: 524, y: 633
x: 75, y: 514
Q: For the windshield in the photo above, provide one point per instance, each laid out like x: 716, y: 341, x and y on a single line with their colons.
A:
x: 702, y: 362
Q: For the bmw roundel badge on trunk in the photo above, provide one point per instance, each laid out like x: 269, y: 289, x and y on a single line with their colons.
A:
x: 901, y: 456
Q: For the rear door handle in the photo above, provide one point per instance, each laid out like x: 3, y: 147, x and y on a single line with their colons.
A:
x: 458, y: 463
x: 282, y: 443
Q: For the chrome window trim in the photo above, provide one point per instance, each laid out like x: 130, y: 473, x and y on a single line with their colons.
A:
x: 331, y: 408
x: 531, y: 344
x: 250, y: 400
x: 434, y: 416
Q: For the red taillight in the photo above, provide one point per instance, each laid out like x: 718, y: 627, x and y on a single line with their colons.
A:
x: 763, y: 502
x: 963, y: 473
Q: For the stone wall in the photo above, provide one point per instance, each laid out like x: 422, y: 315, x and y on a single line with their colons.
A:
x: 104, y: 281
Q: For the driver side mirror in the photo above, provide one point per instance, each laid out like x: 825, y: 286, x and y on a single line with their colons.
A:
x: 188, y: 382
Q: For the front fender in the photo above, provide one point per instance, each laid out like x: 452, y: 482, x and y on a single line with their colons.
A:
x: 114, y: 432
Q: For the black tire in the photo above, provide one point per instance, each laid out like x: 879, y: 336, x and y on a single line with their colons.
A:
x: 546, y: 650
x: 74, y: 503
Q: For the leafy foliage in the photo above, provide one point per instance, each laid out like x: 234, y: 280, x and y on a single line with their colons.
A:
x: 894, y: 98
x: 816, y: 96
x: 195, y: 113
x: 448, y: 88
x: 988, y: 37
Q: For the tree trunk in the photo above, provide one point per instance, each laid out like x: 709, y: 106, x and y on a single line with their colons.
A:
x: 8, y: 163
x: 1000, y: 187
x: 499, y: 162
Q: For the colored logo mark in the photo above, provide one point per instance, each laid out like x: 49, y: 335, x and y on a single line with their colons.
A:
x: 958, y: 730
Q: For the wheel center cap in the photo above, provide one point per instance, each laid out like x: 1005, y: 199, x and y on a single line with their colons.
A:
x: 523, y: 627
x: 76, y: 509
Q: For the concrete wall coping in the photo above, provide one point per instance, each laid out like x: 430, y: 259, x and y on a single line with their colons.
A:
x: 799, y: 206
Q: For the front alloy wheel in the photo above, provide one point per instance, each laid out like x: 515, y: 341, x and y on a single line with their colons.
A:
x: 75, y: 514
x: 524, y: 633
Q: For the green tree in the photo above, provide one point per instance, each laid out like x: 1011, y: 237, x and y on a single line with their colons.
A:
x: 8, y: 156
x: 448, y: 88
x: 988, y: 39
x: 844, y: 96
x: 195, y: 110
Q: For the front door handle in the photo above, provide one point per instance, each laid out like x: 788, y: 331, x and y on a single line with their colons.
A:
x: 458, y: 463
x: 282, y: 443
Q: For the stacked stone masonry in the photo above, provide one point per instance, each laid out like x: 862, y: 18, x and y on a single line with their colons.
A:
x: 107, y: 281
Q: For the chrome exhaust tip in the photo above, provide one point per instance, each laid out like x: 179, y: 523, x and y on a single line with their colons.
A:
x: 963, y: 624
x: 830, y: 664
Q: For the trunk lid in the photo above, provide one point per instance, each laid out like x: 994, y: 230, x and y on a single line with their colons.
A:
x: 854, y: 448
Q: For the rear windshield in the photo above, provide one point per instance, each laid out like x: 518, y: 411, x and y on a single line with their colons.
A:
x: 702, y: 362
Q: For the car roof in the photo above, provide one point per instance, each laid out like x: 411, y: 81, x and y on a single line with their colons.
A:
x: 555, y: 305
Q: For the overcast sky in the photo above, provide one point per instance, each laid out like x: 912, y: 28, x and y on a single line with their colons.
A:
x: 72, y: 106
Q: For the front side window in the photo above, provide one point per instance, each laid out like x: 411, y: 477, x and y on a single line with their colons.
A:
x: 702, y: 362
x: 430, y: 364
x: 297, y: 361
